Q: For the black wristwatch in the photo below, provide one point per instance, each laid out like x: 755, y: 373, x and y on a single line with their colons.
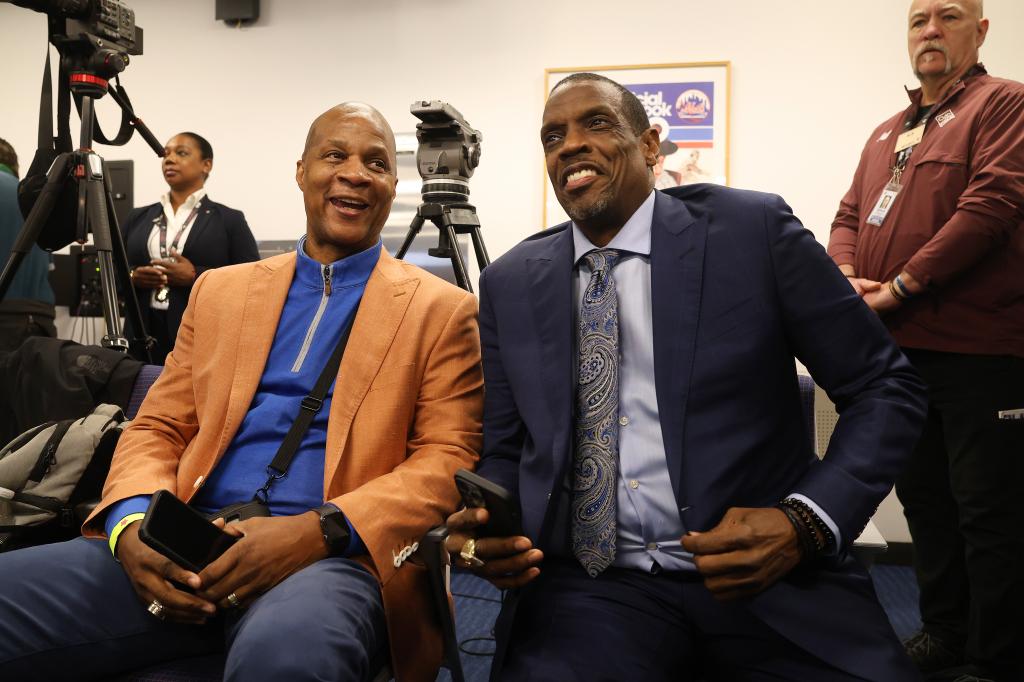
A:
x: 334, y: 528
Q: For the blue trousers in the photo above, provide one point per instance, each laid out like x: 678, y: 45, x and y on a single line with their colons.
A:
x: 69, y: 612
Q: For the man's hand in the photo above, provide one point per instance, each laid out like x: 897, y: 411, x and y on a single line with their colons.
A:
x: 269, y: 550
x: 862, y: 286
x: 750, y: 550
x: 179, y: 270
x: 882, y: 301
x: 508, y: 562
x: 150, y: 573
x: 148, y: 277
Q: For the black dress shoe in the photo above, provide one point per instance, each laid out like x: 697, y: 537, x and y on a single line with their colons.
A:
x: 931, y: 654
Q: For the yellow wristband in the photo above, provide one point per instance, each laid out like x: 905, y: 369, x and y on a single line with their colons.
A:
x: 119, y: 528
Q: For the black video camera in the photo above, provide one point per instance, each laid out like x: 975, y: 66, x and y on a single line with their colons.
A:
x: 94, y: 36
x: 448, y: 153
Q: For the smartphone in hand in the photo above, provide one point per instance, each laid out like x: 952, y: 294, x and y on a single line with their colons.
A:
x: 503, y: 509
x: 182, y: 534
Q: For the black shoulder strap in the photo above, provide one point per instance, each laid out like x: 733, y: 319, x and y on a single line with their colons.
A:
x: 45, y: 139
x: 308, y: 409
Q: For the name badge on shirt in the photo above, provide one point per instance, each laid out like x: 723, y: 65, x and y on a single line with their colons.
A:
x: 884, y: 203
x: 909, y: 138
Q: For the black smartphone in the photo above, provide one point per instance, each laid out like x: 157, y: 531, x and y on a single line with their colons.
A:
x: 502, y: 508
x: 182, y: 534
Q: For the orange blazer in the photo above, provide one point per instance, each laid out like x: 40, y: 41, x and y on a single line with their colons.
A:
x: 406, y: 414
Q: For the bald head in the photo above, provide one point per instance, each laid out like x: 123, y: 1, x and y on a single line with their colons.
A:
x: 346, y: 110
x: 973, y: 9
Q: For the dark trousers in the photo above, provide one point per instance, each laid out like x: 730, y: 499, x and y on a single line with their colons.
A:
x: 156, y: 326
x: 68, y: 612
x: 628, y: 625
x: 963, y: 496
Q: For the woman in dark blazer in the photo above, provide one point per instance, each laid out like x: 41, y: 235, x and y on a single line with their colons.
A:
x: 170, y: 243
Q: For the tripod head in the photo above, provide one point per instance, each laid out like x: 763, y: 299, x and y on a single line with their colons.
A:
x: 94, y: 38
x: 448, y: 153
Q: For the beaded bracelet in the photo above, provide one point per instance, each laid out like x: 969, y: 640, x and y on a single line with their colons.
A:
x: 824, y: 539
x: 804, y: 537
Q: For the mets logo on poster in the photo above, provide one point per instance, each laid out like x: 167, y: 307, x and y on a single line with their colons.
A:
x: 693, y: 106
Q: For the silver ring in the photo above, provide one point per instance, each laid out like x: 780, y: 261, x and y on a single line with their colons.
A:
x: 157, y: 609
x: 233, y: 600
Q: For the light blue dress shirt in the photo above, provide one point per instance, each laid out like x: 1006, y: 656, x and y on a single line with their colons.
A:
x: 649, y: 524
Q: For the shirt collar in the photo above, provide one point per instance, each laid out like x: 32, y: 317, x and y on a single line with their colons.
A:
x: 635, y: 235
x: 976, y: 70
x: 186, y: 205
x: 349, y: 271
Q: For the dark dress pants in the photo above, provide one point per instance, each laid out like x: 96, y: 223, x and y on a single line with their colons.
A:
x: 627, y: 625
x: 68, y: 612
x: 156, y: 326
x: 963, y: 496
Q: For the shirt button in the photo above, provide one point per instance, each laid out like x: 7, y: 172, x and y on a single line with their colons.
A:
x: 652, y: 546
x: 634, y: 484
x: 623, y: 420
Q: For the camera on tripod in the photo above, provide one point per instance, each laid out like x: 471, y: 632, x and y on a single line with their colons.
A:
x: 95, y: 38
x: 70, y: 188
x: 448, y: 153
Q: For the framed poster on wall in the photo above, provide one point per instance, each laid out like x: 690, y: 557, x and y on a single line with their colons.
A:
x: 687, y: 103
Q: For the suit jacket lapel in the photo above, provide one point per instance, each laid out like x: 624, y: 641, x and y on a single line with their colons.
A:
x: 550, y: 292
x: 386, y: 298
x: 677, y: 261
x: 264, y: 301
x: 203, y: 219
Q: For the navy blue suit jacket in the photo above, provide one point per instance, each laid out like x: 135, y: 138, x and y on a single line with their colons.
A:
x: 739, y: 288
x: 220, y: 236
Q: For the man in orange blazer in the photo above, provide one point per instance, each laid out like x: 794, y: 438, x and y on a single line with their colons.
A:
x: 315, y: 591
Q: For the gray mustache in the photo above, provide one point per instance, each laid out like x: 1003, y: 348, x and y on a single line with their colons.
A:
x: 931, y: 46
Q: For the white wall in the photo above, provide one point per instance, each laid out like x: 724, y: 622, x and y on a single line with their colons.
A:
x: 810, y: 80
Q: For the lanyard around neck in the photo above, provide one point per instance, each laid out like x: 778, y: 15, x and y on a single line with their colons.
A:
x: 162, y: 224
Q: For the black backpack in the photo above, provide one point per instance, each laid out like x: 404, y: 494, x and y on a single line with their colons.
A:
x: 52, y: 475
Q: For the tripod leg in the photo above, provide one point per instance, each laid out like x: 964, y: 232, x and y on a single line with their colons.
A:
x: 414, y: 229
x: 482, y: 259
x: 461, y: 278
x: 142, y: 341
x: 99, y: 223
x: 37, y: 217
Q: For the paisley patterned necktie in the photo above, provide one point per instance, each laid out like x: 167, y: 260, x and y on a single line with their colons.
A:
x: 596, y: 459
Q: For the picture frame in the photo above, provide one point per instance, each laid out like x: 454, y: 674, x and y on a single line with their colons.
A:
x: 690, y: 100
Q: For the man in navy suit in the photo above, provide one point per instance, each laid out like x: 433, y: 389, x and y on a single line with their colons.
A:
x: 642, y: 405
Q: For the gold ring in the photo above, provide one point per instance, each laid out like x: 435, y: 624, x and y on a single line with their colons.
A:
x: 233, y: 600
x: 468, y: 553
x: 157, y: 609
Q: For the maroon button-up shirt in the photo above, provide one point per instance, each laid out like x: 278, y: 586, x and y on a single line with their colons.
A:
x: 957, y: 226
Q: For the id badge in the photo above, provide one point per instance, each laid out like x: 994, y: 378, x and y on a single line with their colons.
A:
x: 884, y: 203
x: 911, y: 138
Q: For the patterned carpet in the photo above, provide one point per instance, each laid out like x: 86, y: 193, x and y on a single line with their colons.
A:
x: 476, y: 604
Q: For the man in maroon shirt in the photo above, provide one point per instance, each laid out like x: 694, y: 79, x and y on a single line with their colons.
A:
x: 930, y: 234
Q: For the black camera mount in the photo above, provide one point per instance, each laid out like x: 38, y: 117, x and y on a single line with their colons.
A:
x: 448, y: 153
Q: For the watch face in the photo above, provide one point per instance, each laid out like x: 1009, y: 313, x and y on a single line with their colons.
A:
x: 335, y: 530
